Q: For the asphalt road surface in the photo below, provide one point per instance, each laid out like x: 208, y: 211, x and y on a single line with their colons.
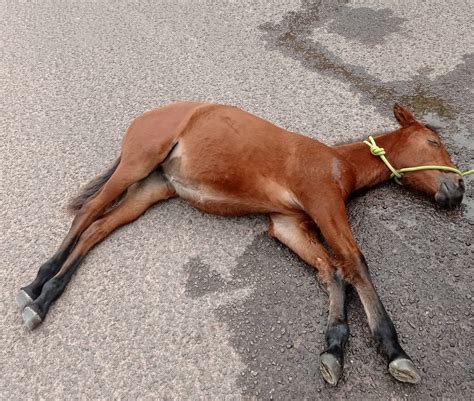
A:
x: 181, y: 304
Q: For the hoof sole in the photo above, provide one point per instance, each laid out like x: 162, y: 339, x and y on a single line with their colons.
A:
x: 23, y: 299
x: 30, y: 317
x: 404, y: 370
x: 331, y: 368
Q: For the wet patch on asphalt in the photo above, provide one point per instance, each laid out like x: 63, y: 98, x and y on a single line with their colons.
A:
x: 364, y: 24
x: 202, y: 280
x: 273, y: 330
x: 292, y: 37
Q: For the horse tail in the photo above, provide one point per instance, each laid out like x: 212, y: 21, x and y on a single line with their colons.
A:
x: 92, y: 188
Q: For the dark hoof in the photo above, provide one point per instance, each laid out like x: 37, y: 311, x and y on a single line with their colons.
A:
x: 331, y: 368
x: 31, y: 318
x: 23, y: 299
x: 404, y: 370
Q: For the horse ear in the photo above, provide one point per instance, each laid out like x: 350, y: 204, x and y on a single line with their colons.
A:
x: 403, y: 116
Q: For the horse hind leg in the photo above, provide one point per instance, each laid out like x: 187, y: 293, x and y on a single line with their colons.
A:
x: 115, y: 182
x: 138, y: 199
x: 30, y: 292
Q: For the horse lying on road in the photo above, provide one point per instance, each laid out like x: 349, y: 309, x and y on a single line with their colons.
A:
x: 225, y: 161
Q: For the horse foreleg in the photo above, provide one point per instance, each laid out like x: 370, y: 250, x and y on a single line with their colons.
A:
x: 332, y: 220
x: 295, y: 232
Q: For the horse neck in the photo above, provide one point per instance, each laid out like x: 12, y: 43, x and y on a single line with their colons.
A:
x: 369, y: 170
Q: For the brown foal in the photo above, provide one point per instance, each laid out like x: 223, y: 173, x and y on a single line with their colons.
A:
x: 226, y: 161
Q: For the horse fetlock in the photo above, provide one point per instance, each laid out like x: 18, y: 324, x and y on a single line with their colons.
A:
x: 337, y: 334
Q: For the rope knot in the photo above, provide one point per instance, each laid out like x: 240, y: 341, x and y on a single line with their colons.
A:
x: 374, y: 148
x: 377, y: 151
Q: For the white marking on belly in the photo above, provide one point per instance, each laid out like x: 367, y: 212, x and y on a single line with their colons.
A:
x: 177, y: 151
x: 199, y: 195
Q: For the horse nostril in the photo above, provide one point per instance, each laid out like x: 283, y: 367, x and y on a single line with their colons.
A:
x: 450, y: 193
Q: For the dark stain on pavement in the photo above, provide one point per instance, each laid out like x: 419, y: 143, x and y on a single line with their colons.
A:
x: 201, y: 279
x: 365, y: 24
x: 292, y: 37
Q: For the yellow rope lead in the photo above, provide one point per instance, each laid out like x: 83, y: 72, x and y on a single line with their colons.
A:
x: 398, y: 174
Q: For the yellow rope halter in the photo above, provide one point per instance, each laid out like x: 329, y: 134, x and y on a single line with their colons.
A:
x: 398, y: 174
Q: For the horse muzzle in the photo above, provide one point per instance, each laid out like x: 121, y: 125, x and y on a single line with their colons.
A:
x: 450, y: 192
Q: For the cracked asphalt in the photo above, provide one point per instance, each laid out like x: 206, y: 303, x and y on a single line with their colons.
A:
x: 185, y: 305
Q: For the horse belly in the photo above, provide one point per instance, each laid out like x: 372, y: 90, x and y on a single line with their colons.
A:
x: 218, y: 199
x: 215, y: 184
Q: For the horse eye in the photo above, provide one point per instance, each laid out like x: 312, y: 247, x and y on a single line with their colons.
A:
x: 433, y: 142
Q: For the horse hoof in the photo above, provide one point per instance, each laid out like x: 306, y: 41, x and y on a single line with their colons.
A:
x: 331, y: 368
x: 404, y: 370
x: 30, y: 317
x: 23, y: 299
